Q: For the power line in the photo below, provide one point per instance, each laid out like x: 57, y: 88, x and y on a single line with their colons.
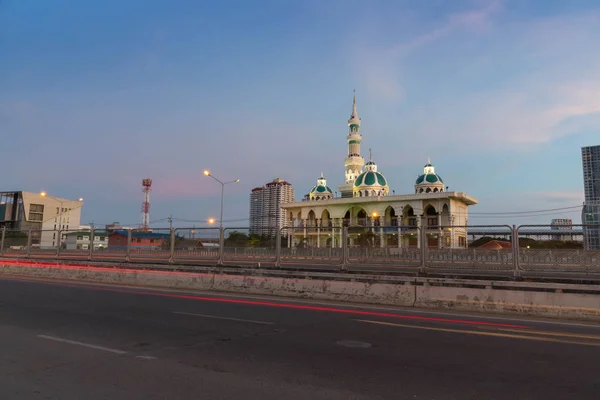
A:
x: 526, y: 212
x: 521, y: 215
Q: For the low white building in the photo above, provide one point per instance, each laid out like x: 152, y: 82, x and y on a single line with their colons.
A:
x: 81, y: 240
x: 43, y: 214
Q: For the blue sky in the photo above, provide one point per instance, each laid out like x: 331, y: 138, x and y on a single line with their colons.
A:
x: 94, y: 96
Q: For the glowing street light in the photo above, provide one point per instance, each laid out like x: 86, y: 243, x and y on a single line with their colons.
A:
x: 211, y: 221
x: 207, y: 173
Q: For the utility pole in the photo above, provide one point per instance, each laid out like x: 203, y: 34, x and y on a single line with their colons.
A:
x: 170, y: 222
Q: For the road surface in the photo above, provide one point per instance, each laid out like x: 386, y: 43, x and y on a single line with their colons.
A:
x: 80, y: 341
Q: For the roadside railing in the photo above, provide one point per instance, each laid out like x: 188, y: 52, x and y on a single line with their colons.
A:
x: 543, y: 248
x: 448, y: 247
x: 474, y: 249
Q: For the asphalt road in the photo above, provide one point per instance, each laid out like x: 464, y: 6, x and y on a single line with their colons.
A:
x: 78, y: 341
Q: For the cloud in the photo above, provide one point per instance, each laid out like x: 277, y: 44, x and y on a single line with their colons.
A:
x: 574, y: 197
x: 381, y: 69
x: 532, y: 116
x: 475, y: 19
x: 517, y: 85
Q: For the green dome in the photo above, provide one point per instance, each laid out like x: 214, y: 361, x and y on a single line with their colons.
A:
x: 370, y: 163
x: 370, y: 178
x: 429, y: 178
x: 321, y: 189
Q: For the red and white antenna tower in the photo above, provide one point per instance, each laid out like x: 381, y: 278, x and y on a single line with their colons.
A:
x: 146, y: 188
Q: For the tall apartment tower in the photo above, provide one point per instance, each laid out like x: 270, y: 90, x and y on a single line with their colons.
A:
x: 266, y: 214
x: 591, y: 210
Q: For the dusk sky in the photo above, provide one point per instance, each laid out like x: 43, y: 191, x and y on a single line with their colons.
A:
x: 95, y: 96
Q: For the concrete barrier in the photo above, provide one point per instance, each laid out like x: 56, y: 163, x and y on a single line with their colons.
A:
x: 533, y: 299
x: 121, y: 276
x: 364, y: 292
x: 566, y: 301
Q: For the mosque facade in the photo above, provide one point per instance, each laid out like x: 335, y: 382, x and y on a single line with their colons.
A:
x: 363, y: 203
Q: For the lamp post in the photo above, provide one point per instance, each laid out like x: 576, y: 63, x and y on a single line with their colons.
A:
x: 60, y: 212
x: 221, y: 232
x: 207, y: 173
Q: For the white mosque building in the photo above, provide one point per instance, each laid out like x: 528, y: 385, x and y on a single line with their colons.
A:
x: 365, y: 205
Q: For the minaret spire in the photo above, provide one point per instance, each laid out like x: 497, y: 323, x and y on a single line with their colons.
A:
x: 353, y: 163
x: 370, y: 154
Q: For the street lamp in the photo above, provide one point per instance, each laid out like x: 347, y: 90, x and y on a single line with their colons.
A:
x: 221, y: 232
x: 207, y: 173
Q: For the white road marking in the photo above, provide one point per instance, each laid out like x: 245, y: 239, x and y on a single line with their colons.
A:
x: 91, y: 346
x: 353, y: 344
x: 146, y: 357
x: 226, y: 318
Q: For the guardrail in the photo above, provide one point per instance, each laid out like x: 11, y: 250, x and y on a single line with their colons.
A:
x: 477, y: 249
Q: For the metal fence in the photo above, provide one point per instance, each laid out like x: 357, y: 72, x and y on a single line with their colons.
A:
x: 240, y: 245
x: 311, y: 246
x: 384, y: 246
x: 469, y: 247
x: 543, y: 248
x: 195, y: 245
x: 491, y: 249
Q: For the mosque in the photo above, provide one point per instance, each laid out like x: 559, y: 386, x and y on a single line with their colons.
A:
x: 364, y: 204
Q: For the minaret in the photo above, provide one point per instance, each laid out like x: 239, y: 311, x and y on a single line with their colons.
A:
x: 353, y: 163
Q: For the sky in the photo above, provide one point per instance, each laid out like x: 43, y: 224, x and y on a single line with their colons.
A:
x: 95, y: 96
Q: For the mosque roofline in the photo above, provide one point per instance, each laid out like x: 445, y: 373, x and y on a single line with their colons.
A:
x: 464, y: 197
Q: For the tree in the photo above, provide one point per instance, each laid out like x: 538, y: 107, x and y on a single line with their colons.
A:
x: 237, y: 239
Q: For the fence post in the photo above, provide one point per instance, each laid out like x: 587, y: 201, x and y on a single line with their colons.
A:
x: 2, y: 241
x: 423, y: 240
x: 58, y: 241
x: 344, y: 248
x: 278, y: 249
x: 128, y: 253
x: 92, y: 238
x: 515, y: 252
x: 28, y: 248
x: 221, y: 245
x: 172, y: 247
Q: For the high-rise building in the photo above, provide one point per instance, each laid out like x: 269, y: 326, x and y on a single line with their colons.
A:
x: 564, y: 228
x: 266, y: 214
x: 591, y: 210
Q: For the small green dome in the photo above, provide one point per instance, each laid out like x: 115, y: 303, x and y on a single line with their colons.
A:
x: 429, y: 178
x: 321, y: 189
x: 370, y: 178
